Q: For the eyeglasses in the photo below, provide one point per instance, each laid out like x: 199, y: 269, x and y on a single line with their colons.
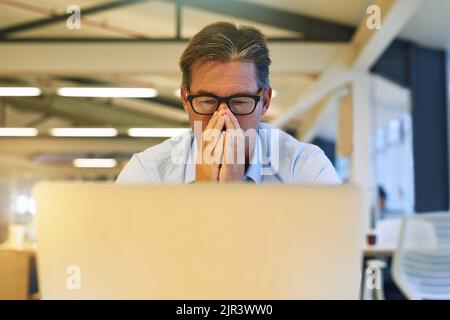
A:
x: 239, y: 104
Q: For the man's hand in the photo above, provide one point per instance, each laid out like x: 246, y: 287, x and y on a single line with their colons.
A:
x: 222, y: 154
x: 210, y: 151
x: 233, y: 155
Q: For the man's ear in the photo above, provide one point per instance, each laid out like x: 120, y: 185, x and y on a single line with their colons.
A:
x: 183, y: 93
x: 266, y: 98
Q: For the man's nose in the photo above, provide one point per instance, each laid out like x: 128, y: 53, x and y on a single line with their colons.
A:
x: 222, y: 106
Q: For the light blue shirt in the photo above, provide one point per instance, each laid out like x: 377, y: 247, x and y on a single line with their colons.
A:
x: 277, y: 158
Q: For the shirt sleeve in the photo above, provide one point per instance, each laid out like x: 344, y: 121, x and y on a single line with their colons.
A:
x: 134, y: 173
x: 314, y: 167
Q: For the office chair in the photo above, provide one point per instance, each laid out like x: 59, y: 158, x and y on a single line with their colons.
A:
x: 421, y: 262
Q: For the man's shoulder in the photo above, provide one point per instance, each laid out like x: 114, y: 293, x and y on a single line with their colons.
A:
x: 289, y: 147
x: 298, y: 162
x: 166, y: 150
x: 155, y: 163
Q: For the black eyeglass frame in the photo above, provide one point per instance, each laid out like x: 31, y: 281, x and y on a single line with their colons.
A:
x: 257, y: 98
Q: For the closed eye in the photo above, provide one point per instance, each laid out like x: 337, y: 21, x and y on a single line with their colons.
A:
x: 207, y: 100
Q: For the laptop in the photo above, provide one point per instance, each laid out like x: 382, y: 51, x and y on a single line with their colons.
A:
x: 199, y: 241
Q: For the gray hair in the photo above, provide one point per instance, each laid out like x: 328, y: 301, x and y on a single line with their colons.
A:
x: 226, y: 42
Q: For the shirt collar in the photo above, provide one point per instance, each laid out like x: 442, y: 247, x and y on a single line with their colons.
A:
x: 254, y: 169
x: 189, y: 176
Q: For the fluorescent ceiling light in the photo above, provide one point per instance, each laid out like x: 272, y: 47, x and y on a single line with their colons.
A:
x: 83, y: 132
x: 274, y: 93
x: 108, y: 92
x: 19, y: 91
x: 156, y: 132
x: 94, y: 163
x: 177, y: 92
x: 18, y: 132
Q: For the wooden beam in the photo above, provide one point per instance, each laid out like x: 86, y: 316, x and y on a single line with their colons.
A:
x: 2, y: 114
x: 88, y: 111
x: 154, y: 109
x: 310, y: 119
x: 371, y: 44
x: 363, y: 34
x: 359, y: 55
x: 10, y: 164
x: 310, y: 28
x: 57, y: 18
x: 344, y: 144
x: 27, y: 146
x: 336, y: 76
x: 90, y: 58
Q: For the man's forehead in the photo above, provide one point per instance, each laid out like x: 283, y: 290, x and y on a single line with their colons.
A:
x: 222, y: 77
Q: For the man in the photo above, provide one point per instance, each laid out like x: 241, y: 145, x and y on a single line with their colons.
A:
x: 225, y: 91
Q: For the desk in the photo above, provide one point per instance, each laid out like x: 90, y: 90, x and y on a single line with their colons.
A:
x: 16, y: 265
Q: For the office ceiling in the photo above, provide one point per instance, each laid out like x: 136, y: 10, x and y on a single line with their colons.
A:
x: 430, y: 27
x: 328, y: 22
x: 156, y: 18
x: 349, y: 12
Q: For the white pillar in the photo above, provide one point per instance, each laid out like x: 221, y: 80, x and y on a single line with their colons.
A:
x: 361, y: 164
